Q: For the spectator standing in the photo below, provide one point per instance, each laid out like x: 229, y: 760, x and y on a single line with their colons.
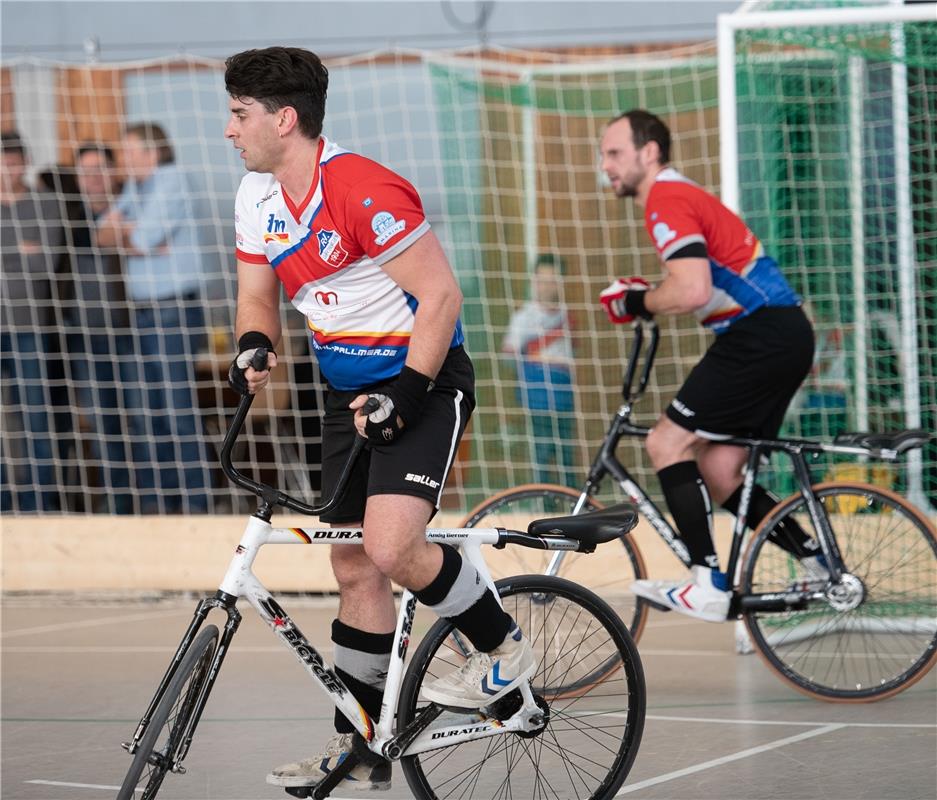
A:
x: 153, y: 223
x: 30, y: 236
x: 539, y: 337
x: 97, y: 325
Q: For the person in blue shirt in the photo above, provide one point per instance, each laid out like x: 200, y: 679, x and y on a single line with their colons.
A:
x: 539, y: 338
x: 30, y: 238
x: 153, y: 223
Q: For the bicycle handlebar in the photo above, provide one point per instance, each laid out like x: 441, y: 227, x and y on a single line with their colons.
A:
x: 633, y: 359
x: 269, y: 494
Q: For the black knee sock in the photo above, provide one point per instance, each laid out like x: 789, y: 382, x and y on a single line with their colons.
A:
x: 361, y: 661
x: 688, y: 500
x: 788, y: 535
x: 458, y: 594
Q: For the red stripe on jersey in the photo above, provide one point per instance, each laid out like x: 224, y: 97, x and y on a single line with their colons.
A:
x: 722, y: 316
x: 297, y: 211
x: 250, y: 258
x: 544, y: 341
x: 391, y: 340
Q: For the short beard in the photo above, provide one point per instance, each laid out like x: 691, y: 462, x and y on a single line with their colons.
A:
x: 626, y: 191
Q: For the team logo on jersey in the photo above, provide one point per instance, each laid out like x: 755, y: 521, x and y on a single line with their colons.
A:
x: 276, y: 231
x: 385, y: 226
x: 330, y: 248
x: 326, y: 298
x: 662, y: 234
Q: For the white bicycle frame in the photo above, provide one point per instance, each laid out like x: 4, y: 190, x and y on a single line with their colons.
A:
x: 240, y: 581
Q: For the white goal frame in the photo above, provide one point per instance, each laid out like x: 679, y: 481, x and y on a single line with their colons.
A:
x: 727, y: 27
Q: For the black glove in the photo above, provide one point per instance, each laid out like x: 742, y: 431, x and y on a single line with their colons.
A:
x: 248, y: 346
x: 404, y: 398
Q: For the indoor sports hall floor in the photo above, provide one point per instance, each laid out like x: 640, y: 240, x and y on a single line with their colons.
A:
x: 77, y: 674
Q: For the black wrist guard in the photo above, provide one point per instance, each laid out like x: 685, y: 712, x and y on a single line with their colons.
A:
x: 634, y: 304
x: 251, y: 340
x: 403, y: 398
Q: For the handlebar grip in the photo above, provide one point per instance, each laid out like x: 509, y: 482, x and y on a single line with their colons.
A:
x: 372, y: 405
x: 259, y: 359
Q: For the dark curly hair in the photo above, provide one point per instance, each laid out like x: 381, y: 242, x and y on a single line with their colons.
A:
x: 278, y: 77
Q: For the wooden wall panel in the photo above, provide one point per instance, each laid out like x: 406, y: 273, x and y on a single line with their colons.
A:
x: 7, y: 104
x: 90, y: 108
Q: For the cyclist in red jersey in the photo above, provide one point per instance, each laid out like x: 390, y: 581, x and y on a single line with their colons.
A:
x: 348, y: 241
x: 715, y: 268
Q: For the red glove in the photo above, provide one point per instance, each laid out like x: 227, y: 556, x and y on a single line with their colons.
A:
x: 624, y: 300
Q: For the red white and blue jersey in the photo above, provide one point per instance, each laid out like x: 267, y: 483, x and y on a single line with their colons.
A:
x: 328, y: 250
x: 679, y: 213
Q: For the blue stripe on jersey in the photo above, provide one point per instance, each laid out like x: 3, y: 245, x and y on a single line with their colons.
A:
x: 762, y: 285
x: 350, y: 366
x: 286, y: 253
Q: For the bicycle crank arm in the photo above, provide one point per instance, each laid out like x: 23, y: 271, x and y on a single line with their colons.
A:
x: 324, y: 789
x: 777, y: 601
x: 396, y: 746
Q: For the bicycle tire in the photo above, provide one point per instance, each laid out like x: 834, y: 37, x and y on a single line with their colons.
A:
x: 514, y: 509
x: 600, y: 732
x: 888, y: 641
x: 152, y: 761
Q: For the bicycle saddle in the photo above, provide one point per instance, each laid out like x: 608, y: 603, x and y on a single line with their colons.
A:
x: 592, y: 528
x: 899, y: 441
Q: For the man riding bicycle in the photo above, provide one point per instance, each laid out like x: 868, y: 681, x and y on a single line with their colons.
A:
x: 715, y: 268
x: 350, y: 243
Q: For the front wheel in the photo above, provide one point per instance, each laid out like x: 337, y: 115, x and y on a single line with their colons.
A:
x: 608, y: 572
x: 160, y: 743
x: 873, y: 634
x: 589, y: 742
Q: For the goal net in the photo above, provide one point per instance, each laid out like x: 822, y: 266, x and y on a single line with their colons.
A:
x: 503, y: 147
x: 832, y: 132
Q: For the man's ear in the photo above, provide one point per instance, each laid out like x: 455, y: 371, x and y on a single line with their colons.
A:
x: 650, y: 153
x: 287, y: 119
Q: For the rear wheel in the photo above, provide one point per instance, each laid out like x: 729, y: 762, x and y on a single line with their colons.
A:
x: 873, y: 634
x: 588, y: 743
x: 160, y: 743
x: 608, y: 572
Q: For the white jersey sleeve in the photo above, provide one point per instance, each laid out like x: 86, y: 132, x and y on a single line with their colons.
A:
x: 254, y: 191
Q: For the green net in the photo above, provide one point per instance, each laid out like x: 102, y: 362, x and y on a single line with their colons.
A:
x: 836, y: 133
x: 520, y: 149
x: 821, y: 178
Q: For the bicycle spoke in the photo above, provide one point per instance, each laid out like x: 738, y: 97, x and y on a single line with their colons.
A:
x: 590, y: 737
x: 876, y: 632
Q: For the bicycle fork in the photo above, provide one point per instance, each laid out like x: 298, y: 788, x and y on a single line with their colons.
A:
x: 221, y: 601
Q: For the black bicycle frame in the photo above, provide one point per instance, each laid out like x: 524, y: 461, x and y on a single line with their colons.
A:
x: 606, y: 463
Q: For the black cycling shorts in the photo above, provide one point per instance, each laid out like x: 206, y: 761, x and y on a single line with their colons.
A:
x: 415, y: 464
x: 746, y: 379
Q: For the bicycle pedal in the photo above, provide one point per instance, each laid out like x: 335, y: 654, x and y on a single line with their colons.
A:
x: 657, y: 606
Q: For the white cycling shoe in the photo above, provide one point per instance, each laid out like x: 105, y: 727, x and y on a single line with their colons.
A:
x: 485, y: 677
x: 310, y: 772
x: 697, y: 597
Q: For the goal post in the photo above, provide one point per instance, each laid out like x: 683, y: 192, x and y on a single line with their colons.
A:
x: 827, y: 120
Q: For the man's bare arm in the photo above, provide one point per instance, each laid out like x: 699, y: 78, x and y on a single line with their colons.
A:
x: 258, y: 309
x: 423, y: 271
x: 687, y: 286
